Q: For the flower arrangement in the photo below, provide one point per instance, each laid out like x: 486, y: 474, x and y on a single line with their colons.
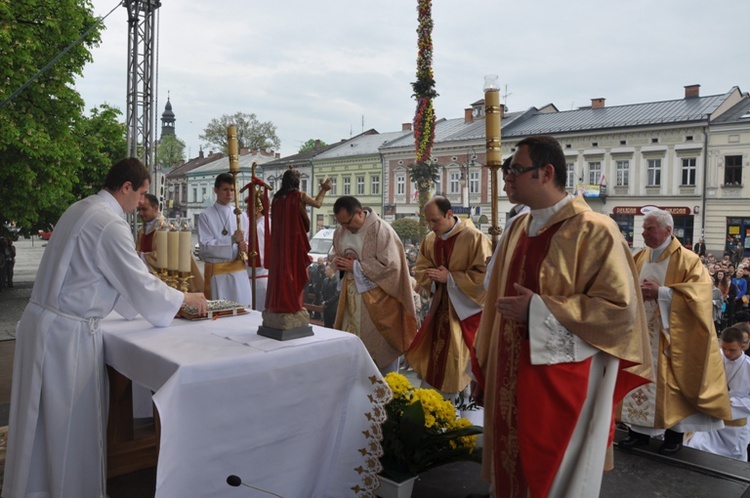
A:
x: 422, y: 431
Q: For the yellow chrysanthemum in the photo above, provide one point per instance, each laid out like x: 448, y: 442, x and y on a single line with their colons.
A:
x: 399, y: 384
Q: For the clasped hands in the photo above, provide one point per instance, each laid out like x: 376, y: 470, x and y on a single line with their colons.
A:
x: 649, y: 289
x: 346, y: 263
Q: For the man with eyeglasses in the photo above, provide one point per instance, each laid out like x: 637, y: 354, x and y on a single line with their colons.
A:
x: 376, y: 298
x: 562, y: 335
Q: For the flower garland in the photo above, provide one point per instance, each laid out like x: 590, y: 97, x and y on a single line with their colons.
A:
x: 424, y: 87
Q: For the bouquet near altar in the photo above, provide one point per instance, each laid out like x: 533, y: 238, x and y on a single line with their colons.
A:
x: 422, y: 431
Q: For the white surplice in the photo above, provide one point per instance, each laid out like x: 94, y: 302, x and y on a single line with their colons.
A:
x: 218, y: 247
x: 57, y: 429
x: 730, y: 441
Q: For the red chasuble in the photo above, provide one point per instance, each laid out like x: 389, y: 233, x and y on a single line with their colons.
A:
x: 147, y: 241
x: 438, y: 322
x: 287, y: 275
x: 534, y: 426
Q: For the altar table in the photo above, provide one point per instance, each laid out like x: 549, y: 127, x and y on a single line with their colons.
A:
x: 297, y: 418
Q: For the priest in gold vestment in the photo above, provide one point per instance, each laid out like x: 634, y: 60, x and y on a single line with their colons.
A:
x: 562, y: 336
x: 690, y: 392
x: 451, y: 266
x: 375, y: 302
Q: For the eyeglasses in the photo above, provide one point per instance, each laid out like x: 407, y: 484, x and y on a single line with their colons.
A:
x: 346, y: 223
x: 516, y: 171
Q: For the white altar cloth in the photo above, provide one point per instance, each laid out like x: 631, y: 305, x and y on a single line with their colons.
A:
x: 298, y: 418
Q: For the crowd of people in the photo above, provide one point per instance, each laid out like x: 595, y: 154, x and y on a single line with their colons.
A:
x: 731, y: 281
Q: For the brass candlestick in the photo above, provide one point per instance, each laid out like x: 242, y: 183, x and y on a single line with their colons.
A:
x: 492, y: 115
x: 183, y: 278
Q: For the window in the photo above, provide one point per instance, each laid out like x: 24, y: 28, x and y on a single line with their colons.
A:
x: 688, y: 171
x: 570, y: 175
x: 400, y: 185
x: 333, y: 185
x: 195, y: 194
x: 595, y: 173
x: 474, y: 182
x: 375, y: 185
x: 733, y: 170
x: 303, y: 185
x: 347, y: 186
x: 438, y: 185
x: 654, y: 173
x: 454, y: 186
x: 360, y: 185
x: 623, y: 173
x: 204, y: 192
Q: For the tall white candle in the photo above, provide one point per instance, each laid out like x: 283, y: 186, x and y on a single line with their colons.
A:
x: 184, y: 255
x: 174, y: 247
x: 161, y: 248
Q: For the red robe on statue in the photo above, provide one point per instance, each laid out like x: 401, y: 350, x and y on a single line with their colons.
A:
x: 288, y: 257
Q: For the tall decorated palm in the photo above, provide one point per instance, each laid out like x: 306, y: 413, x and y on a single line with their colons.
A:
x: 423, y: 173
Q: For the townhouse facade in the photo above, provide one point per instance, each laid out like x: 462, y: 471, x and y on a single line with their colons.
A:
x: 356, y: 168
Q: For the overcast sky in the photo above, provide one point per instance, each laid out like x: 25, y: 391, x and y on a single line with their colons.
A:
x: 318, y: 69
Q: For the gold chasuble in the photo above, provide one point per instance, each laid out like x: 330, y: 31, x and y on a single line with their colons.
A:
x: 383, y: 316
x: 690, y: 375
x: 579, y: 265
x: 441, y: 351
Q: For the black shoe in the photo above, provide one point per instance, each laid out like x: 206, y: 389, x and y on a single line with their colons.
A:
x: 633, y: 442
x: 669, y: 448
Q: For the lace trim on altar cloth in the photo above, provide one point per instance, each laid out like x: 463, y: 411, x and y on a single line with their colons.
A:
x: 560, y: 343
x: 380, y: 395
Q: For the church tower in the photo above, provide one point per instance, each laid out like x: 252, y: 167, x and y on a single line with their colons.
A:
x: 167, y: 120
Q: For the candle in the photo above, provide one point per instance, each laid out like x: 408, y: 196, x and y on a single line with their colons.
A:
x: 161, y: 249
x: 184, y: 254
x: 174, y: 246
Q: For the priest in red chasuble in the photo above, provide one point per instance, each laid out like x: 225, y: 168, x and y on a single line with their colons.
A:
x: 289, y: 244
x: 562, y: 337
x: 451, y: 266
x: 145, y: 240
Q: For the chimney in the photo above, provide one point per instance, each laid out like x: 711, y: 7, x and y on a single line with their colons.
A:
x: 468, y: 115
x: 597, y: 103
x: 692, y: 91
x: 406, y: 127
x: 253, y: 151
x: 277, y: 155
x: 243, y: 151
x: 503, y: 110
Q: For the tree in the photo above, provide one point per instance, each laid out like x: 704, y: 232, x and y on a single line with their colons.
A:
x: 42, y: 145
x: 407, y: 230
x: 312, y: 144
x: 170, y: 151
x: 251, y: 133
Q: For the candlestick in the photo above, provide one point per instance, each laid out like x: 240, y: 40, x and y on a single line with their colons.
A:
x: 494, y: 153
x: 161, y: 249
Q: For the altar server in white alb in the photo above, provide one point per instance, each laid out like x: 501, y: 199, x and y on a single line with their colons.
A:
x: 732, y: 440
x: 225, y: 276
x: 58, y: 410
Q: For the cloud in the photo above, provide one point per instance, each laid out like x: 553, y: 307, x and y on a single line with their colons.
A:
x: 315, y: 69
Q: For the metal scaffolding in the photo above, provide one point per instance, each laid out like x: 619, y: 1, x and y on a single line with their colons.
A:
x: 142, y: 70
